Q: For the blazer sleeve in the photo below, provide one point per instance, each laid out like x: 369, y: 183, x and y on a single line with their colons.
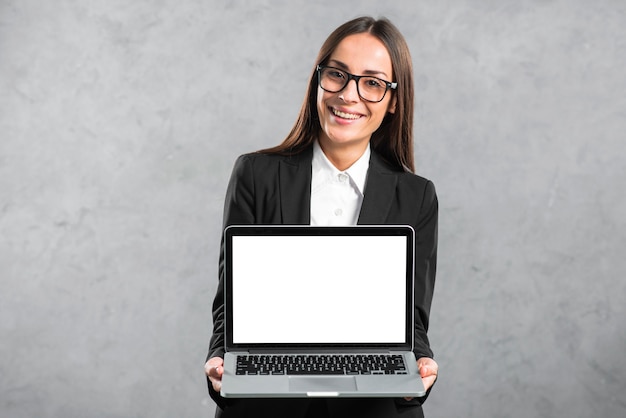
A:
x: 425, y: 225
x: 238, y: 209
x: 425, y: 267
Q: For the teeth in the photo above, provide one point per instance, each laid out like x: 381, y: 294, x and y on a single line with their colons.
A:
x: 345, y: 115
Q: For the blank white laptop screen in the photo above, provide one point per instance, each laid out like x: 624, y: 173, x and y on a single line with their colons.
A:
x: 319, y: 289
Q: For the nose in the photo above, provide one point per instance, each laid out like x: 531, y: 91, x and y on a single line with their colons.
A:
x: 350, y: 93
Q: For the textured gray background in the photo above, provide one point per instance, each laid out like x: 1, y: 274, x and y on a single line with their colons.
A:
x: 119, y: 124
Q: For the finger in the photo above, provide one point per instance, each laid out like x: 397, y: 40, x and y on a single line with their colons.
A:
x: 209, y: 366
x: 215, y: 372
x: 428, y: 371
x: 217, y: 384
x: 429, y: 381
x: 209, y: 369
x: 426, y: 361
x: 215, y: 377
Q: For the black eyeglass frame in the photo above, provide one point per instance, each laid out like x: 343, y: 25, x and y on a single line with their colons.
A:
x: 388, y: 84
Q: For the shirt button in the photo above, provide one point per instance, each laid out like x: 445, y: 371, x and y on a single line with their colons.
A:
x: 343, y: 177
x: 338, y: 212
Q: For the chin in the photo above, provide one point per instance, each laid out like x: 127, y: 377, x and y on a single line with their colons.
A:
x: 343, y: 140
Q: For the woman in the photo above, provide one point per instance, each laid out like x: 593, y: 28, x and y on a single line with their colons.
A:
x: 347, y: 160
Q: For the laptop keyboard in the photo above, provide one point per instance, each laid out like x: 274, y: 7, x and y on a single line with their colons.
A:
x: 331, y: 364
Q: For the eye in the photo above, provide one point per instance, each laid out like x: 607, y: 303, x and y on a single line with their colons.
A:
x: 335, y: 74
x: 375, y: 83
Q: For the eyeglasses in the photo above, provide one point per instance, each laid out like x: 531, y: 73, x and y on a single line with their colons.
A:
x: 371, y: 89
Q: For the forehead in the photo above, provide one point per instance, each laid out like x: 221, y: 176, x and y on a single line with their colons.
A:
x: 363, y: 53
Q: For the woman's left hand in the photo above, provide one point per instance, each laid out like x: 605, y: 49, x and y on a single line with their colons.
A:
x: 428, y: 369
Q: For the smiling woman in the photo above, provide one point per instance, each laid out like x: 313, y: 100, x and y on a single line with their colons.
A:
x: 393, y: 139
x: 348, y: 122
x: 347, y: 160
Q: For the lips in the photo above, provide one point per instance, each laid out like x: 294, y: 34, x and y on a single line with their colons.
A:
x: 345, y: 115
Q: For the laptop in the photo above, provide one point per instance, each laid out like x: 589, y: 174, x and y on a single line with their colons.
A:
x: 319, y: 312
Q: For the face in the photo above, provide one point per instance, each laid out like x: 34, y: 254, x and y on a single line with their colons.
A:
x: 345, y: 118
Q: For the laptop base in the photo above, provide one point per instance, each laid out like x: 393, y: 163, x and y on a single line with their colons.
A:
x: 306, y: 386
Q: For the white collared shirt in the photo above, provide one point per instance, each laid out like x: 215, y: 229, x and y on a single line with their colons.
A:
x: 336, y: 196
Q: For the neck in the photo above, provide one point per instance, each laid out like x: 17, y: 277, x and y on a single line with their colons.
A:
x: 342, y: 156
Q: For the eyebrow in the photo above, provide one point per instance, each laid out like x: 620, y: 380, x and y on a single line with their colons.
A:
x: 365, y: 72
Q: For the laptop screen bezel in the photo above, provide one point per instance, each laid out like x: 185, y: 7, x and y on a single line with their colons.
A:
x: 287, y: 230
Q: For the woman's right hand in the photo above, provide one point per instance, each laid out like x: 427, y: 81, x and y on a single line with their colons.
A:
x: 214, y: 369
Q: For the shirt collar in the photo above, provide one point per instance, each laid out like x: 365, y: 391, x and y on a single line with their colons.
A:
x: 357, y: 171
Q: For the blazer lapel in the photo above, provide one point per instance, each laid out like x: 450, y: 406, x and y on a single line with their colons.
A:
x: 379, y: 192
x: 295, y: 188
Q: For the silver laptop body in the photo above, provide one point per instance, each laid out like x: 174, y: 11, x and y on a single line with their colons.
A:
x: 297, y: 295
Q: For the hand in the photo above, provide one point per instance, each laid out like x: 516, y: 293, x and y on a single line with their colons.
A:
x: 428, y: 369
x: 214, y: 369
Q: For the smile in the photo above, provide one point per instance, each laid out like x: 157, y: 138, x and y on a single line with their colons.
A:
x: 345, y: 115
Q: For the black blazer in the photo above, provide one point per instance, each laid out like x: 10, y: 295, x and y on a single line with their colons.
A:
x: 273, y: 189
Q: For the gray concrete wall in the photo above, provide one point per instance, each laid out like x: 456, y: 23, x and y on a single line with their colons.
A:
x: 119, y: 124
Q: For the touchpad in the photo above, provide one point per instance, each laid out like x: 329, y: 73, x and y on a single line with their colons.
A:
x: 322, y: 384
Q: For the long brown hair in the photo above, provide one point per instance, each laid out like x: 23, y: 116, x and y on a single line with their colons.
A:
x: 393, y: 140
